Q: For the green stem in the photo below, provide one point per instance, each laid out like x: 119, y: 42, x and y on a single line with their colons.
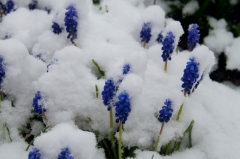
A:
x: 165, y: 66
x: 179, y: 112
x: 111, y: 133
x: 96, y: 88
x: 168, y: 147
x: 190, y: 136
x: 44, y: 130
x: 158, y: 139
x: 5, y: 125
x: 120, y: 141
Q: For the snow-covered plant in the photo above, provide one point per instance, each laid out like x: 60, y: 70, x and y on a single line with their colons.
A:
x: 190, y: 76
x: 56, y: 28
x: 145, y: 33
x: 65, y: 154
x: 193, y: 36
x: 71, y: 17
x: 9, y: 6
x: 37, y: 105
x: 159, y: 38
x: 168, y: 46
x: 34, y: 154
x: 164, y: 116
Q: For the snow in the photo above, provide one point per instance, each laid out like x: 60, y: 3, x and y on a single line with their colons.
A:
x: 219, y: 38
x: 112, y: 39
x: 233, y: 55
x: 191, y: 7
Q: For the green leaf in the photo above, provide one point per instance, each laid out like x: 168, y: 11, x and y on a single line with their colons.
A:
x: 102, y: 73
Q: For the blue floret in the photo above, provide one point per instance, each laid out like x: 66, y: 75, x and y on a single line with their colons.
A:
x: 190, y: 75
x: 159, y: 38
x: 2, y: 70
x: 33, y: 5
x: 193, y: 37
x: 123, y: 107
x: 126, y: 69
x: 56, y: 28
x: 108, y: 93
x: 65, y: 154
x: 9, y: 6
x: 145, y: 33
x: 168, y: 46
x: 166, y: 112
x: 38, y: 108
x: 34, y: 154
x: 71, y: 23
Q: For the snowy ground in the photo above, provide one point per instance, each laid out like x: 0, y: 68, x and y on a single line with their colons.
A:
x: 110, y: 34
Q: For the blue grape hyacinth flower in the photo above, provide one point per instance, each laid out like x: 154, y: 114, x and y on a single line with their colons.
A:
x: 71, y: 23
x: 9, y: 6
x: 65, y: 154
x: 34, y: 154
x: 123, y: 107
x: 159, y: 38
x: 166, y: 112
x: 2, y: 70
x: 33, y: 5
x: 38, y: 108
x: 126, y: 69
x: 145, y: 33
x: 190, y: 76
x: 108, y: 93
x: 56, y: 28
x: 193, y: 37
x: 168, y: 46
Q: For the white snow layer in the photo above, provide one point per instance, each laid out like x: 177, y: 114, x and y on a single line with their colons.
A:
x: 233, y: 55
x: 191, y: 7
x: 111, y: 37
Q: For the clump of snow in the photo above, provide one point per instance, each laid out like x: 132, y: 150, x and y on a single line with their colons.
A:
x: 233, y: 55
x: 66, y: 135
x: 191, y: 7
x: 219, y: 38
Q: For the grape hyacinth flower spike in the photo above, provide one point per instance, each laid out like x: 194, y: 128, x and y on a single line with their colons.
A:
x: 34, y: 154
x: 108, y: 95
x: 38, y: 105
x: 193, y: 36
x: 190, y: 76
x: 65, y: 154
x: 2, y: 75
x: 159, y: 38
x: 9, y: 6
x: 71, y: 23
x: 123, y: 108
x: 168, y: 46
x: 164, y: 116
x: 56, y: 28
x: 145, y: 33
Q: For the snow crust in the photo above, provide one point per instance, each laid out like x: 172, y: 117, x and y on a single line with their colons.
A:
x: 191, y: 7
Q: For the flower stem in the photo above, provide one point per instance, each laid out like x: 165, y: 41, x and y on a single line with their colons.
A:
x: 144, y: 44
x: 154, y: 2
x: 120, y: 141
x: 111, y: 133
x: 8, y: 131
x: 179, y: 112
x: 158, y: 139
x: 165, y: 66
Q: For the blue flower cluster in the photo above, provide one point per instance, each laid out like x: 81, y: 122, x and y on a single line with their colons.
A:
x: 56, y: 28
x: 159, y: 38
x: 71, y: 22
x: 193, y: 37
x: 166, y: 112
x: 123, y: 107
x: 190, y: 75
x: 38, y: 108
x: 145, y: 34
x: 33, y: 5
x: 65, y: 154
x: 9, y: 6
x: 2, y: 70
x: 34, y: 154
x: 126, y: 69
x: 168, y: 46
x: 108, y: 93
